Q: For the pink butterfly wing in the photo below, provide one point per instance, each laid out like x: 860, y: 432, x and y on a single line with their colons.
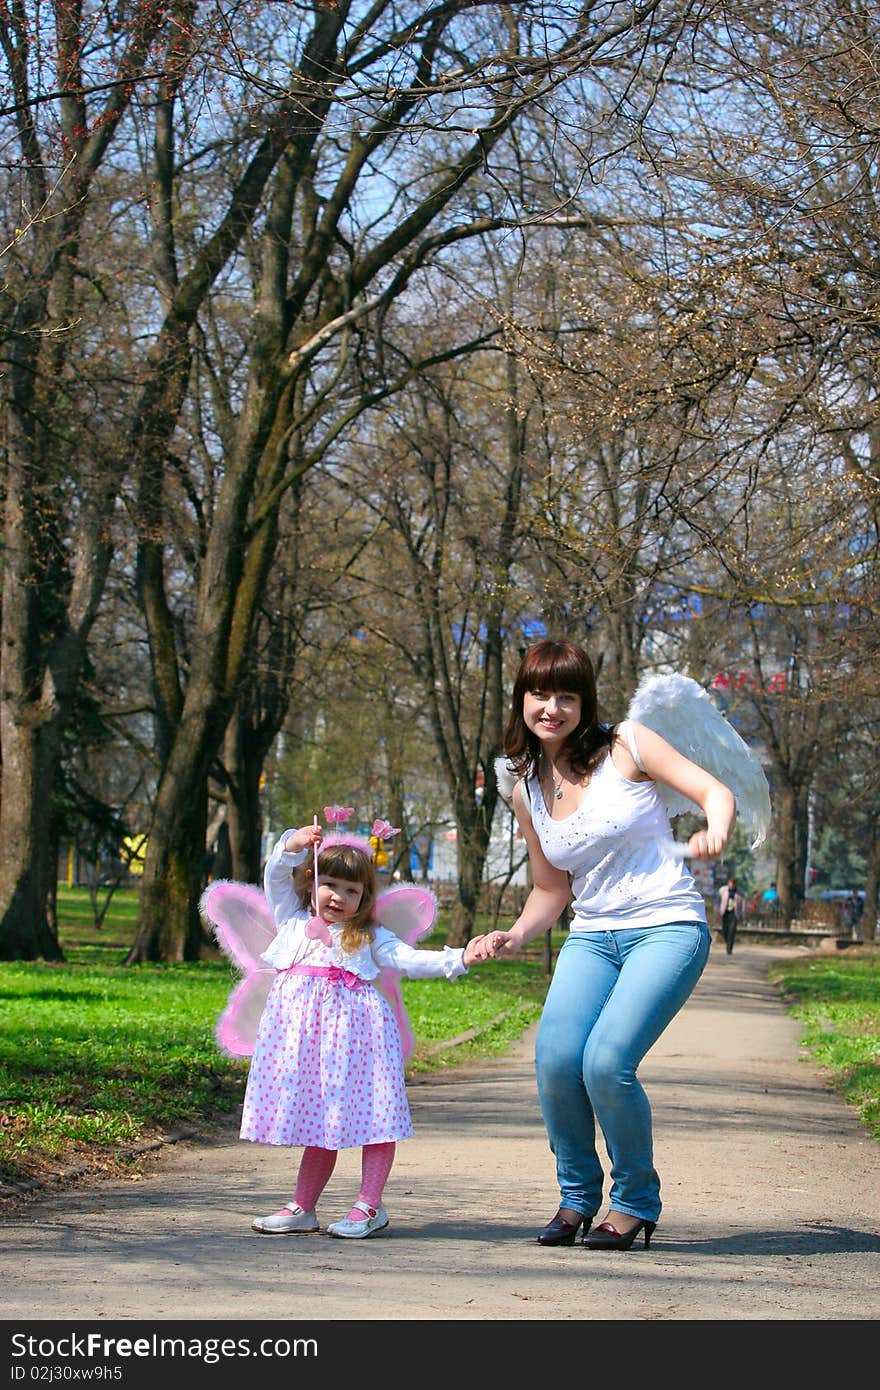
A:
x: 410, y: 912
x: 407, y: 910
x: 244, y: 926
x: 236, y: 1028
x: 242, y: 921
x: 388, y: 983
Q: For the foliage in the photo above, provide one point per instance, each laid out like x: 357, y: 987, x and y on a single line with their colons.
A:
x: 572, y: 322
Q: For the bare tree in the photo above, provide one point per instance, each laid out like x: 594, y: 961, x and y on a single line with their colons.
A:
x: 351, y: 219
x: 67, y: 90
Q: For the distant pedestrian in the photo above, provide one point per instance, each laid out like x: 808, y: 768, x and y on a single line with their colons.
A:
x: 730, y: 909
x: 851, y: 914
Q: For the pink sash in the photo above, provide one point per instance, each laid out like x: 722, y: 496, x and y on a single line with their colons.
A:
x: 330, y: 972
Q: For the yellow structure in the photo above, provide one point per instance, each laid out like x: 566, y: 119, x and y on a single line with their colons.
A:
x: 381, y: 857
x: 134, y: 849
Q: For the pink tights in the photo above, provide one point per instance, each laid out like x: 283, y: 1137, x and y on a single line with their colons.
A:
x: 317, y: 1165
x: 376, y: 1161
x: 315, y: 1168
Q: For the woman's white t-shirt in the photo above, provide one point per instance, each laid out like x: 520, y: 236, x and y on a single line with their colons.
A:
x: 616, y: 849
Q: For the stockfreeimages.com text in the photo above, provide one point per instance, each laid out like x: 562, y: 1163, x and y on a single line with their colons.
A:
x: 210, y: 1350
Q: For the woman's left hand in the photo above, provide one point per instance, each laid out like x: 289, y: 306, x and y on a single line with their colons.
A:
x: 478, y: 949
x: 707, y: 844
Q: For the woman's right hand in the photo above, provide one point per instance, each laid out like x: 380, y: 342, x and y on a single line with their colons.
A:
x: 499, y: 944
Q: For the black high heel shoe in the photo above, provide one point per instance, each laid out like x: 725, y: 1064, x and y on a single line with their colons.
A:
x: 562, y: 1232
x: 606, y: 1238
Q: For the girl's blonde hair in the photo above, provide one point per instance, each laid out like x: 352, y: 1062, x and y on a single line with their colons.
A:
x: 343, y: 861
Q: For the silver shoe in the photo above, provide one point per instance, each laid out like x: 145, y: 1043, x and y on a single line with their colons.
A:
x: 375, y: 1220
x: 291, y: 1220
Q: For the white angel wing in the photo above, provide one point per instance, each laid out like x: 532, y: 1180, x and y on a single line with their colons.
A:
x: 505, y: 778
x: 682, y: 712
x: 243, y: 924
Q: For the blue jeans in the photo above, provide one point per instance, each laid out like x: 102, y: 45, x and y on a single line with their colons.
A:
x: 612, y: 995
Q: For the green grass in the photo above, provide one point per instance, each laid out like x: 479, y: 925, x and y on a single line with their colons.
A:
x: 495, y: 1002
x: 98, y: 1058
x: 76, y: 920
x: 94, y: 1058
x: 837, y: 1002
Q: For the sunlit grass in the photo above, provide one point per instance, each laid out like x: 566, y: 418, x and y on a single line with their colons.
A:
x: 837, y: 1001
x: 495, y: 1002
x: 97, y: 1057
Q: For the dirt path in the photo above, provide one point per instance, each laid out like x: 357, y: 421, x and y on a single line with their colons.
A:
x: 771, y: 1204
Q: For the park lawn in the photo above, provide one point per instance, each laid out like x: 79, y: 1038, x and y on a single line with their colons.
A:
x: 99, y: 1059
x: 836, y: 999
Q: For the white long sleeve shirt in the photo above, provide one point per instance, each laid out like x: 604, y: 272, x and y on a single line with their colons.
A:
x: 292, y: 947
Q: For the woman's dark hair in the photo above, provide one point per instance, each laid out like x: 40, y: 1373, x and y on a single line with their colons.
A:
x: 555, y: 666
x: 343, y: 861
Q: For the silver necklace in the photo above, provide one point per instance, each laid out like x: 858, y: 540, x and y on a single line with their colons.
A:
x: 557, y: 786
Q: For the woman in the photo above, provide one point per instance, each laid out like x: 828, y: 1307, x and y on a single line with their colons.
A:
x: 730, y: 910
x: 597, y: 832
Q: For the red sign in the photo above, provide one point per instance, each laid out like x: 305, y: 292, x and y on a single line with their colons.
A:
x: 743, y: 680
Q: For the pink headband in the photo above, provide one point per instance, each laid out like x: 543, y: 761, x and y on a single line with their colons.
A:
x: 341, y: 837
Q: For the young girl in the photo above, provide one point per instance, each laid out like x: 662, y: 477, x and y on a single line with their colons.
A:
x: 328, y: 1067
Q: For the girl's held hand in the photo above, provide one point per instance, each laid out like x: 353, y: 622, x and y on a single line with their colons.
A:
x: 472, y: 951
x: 492, y: 946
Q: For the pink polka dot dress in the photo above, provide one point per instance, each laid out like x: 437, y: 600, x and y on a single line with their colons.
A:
x: 328, y: 1063
x: 327, y: 1067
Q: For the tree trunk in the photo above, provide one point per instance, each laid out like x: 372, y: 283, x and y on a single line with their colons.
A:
x: 28, y: 737
x: 26, y: 931
x: 801, y: 847
x: 872, y: 881
x: 40, y: 678
x: 52, y: 576
x: 243, y: 766
x: 786, y: 850
x: 42, y: 660
x: 472, y: 846
x: 169, y: 926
